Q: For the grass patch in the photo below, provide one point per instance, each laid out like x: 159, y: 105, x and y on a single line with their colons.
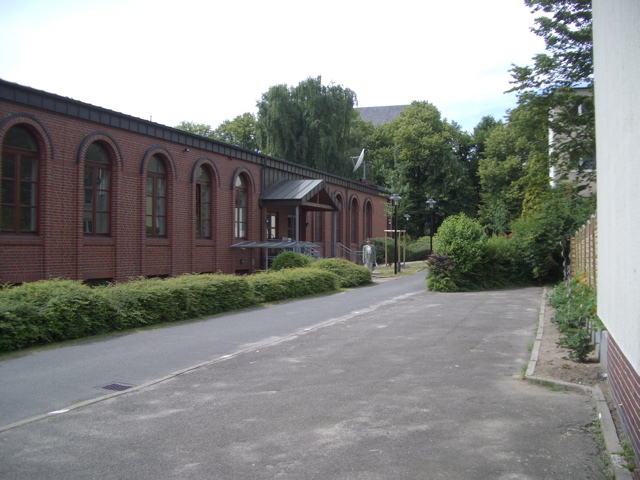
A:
x: 408, y: 269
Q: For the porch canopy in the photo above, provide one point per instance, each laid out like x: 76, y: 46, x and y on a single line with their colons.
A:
x: 308, y: 194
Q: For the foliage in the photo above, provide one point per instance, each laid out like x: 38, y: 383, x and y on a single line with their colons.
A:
x: 241, y: 131
x: 550, y: 83
x: 440, y: 268
x: 514, y: 173
x: 291, y: 283
x: 349, y: 274
x: 419, y: 155
x: 464, y: 240
x: 467, y: 259
x: 201, y: 129
x: 418, y: 250
x: 481, y: 133
x: 575, y: 307
x: 308, y: 124
x: 504, y: 265
x: 57, y: 310
x: 290, y: 260
x: 541, y: 235
x: 50, y: 311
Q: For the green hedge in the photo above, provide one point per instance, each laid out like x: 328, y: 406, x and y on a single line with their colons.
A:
x: 292, y: 283
x: 349, y: 274
x: 468, y: 260
x: 57, y: 310
x: 50, y: 311
x: 290, y: 260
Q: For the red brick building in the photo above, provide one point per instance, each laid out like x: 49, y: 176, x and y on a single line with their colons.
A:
x: 92, y: 194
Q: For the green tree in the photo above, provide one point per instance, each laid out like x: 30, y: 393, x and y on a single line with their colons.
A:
x: 514, y: 173
x: 241, y: 131
x: 481, y: 133
x: 201, y: 129
x: 420, y: 155
x: 308, y: 124
x: 552, y: 81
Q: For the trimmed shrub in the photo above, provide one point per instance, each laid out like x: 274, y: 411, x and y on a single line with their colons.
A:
x: 50, y: 311
x: 349, y: 274
x: 290, y: 260
x: 57, y: 310
x: 291, y: 283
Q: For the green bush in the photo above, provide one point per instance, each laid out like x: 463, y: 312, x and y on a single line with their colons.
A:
x: 57, y: 310
x: 349, y: 274
x: 504, y: 268
x: 540, y: 236
x: 290, y: 260
x: 418, y: 250
x: 575, y: 306
x: 291, y: 283
x: 50, y: 311
x: 464, y: 241
x: 440, y: 268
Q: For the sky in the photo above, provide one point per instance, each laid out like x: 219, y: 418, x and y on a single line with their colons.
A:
x: 207, y: 61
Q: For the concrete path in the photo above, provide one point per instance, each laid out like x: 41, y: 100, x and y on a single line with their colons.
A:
x: 423, y: 386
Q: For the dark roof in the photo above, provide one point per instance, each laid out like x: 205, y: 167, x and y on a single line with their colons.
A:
x: 23, y: 95
x: 379, y: 115
x: 312, y: 194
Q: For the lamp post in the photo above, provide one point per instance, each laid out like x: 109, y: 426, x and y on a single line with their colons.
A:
x: 395, y: 198
x: 431, y: 202
x: 404, y: 245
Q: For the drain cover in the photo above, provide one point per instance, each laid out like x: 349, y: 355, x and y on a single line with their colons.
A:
x: 117, y: 387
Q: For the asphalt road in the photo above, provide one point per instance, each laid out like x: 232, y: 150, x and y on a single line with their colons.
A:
x: 394, y: 383
x: 51, y: 380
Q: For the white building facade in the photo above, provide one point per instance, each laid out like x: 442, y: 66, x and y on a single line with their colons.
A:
x: 617, y: 91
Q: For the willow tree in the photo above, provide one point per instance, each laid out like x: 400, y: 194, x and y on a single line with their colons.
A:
x: 307, y: 124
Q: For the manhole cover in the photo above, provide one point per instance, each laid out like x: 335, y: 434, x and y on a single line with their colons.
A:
x: 117, y: 387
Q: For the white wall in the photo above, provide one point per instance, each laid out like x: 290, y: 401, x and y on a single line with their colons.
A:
x: 617, y: 91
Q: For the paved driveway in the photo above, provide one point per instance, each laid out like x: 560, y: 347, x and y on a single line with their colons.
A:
x: 424, y: 386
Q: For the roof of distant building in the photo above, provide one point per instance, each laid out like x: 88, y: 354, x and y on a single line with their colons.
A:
x: 379, y: 115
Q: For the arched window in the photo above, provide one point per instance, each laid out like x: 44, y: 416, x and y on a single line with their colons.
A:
x: 19, y: 202
x: 240, y: 212
x: 156, y: 206
x: 368, y: 220
x: 97, y: 190
x: 203, y: 203
x: 339, y: 219
x: 354, y: 220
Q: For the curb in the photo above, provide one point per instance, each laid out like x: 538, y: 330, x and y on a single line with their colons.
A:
x: 607, y: 426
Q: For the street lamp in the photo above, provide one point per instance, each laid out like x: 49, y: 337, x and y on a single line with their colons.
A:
x: 431, y: 202
x: 395, y: 198
x: 406, y: 230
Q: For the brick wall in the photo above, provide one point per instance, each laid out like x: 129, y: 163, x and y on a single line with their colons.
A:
x: 60, y: 249
x: 624, y: 382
